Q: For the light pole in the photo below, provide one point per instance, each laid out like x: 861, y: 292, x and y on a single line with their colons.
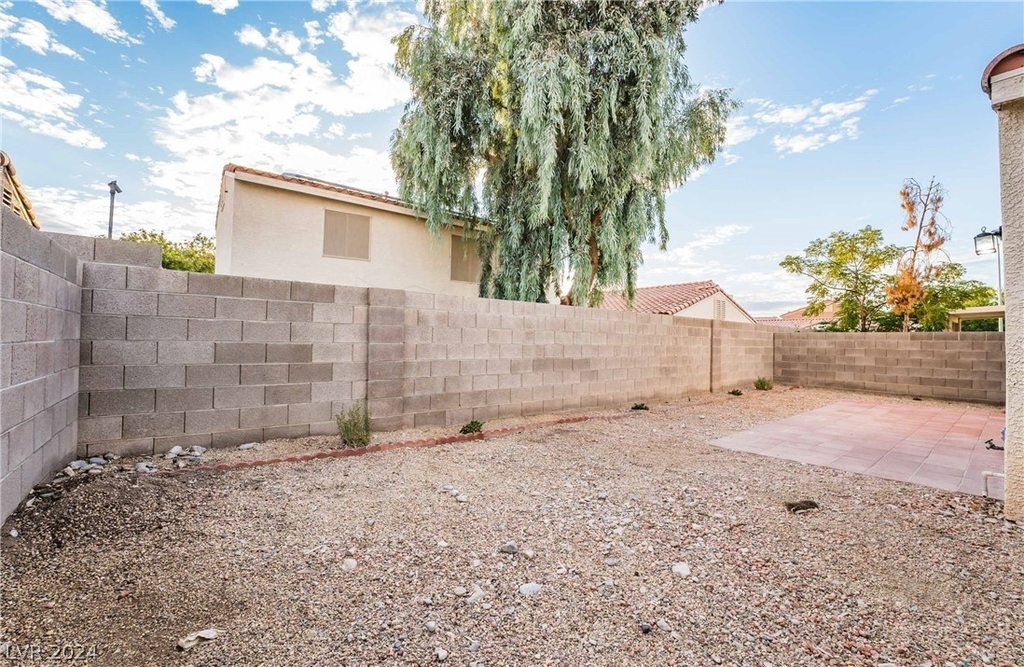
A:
x: 110, y: 223
x: 987, y: 243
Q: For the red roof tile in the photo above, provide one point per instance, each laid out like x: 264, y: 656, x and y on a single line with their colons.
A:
x: 663, y: 299
x: 792, y: 322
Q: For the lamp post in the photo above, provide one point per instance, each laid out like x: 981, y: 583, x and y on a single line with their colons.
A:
x: 110, y: 223
x: 988, y: 243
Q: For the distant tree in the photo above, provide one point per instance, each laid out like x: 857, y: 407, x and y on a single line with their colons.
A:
x: 922, y: 209
x: 563, y: 124
x: 851, y: 269
x: 197, y: 254
x: 949, y: 291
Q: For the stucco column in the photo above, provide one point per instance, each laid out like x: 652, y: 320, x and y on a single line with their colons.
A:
x: 1003, y: 81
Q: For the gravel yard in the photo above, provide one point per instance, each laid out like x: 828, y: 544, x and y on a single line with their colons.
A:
x: 648, y: 546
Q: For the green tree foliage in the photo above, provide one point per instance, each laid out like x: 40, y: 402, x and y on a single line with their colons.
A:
x: 197, y: 254
x: 563, y: 124
x: 850, y: 269
x: 949, y: 291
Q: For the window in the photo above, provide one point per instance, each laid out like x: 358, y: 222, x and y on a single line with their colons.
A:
x: 719, y: 309
x: 346, y: 235
x: 465, y: 260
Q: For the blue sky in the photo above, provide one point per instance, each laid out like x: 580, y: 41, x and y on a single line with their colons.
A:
x: 841, y: 102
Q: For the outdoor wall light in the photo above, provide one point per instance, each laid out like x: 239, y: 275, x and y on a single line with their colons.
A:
x: 987, y: 243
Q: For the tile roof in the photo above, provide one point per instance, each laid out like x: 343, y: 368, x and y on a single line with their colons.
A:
x: 318, y: 183
x: 14, y: 196
x: 792, y: 322
x: 663, y: 299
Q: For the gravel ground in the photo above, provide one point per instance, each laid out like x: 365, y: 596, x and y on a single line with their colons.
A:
x: 370, y: 560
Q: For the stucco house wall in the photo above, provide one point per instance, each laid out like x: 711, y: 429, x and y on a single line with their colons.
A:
x: 705, y: 310
x: 268, y: 228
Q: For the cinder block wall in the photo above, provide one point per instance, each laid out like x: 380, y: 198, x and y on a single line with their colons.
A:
x: 176, y: 358
x: 740, y: 354
x: 968, y: 366
x: 438, y: 359
x: 39, y: 331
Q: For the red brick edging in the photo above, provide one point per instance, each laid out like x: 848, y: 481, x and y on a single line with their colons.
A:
x: 387, y: 446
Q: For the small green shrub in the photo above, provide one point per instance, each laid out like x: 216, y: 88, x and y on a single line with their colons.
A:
x: 472, y: 427
x: 736, y: 392
x: 354, y: 426
x: 639, y: 406
x: 763, y: 384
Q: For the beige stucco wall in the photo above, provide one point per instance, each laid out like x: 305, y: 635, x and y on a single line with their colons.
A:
x: 705, y: 310
x: 271, y: 232
x: 1008, y: 99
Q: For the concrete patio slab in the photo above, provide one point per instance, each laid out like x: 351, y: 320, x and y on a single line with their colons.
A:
x: 936, y: 446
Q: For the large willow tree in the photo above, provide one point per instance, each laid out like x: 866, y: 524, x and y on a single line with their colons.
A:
x: 561, y: 126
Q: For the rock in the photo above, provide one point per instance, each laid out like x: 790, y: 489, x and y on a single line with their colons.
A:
x: 645, y: 628
x: 476, y: 595
x: 611, y: 562
x: 349, y: 564
x: 528, y: 553
x: 191, y: 639
x: 530, y: 589
x: 664, y: 625
x: 14, y: 532
x: 682, y: 569
x: 96, y: 471
x: 474, y: 647
x: 447, y: 487
x: 98, y: 461
x: 462, y: 498
x: 441, y: 654
x: 198, y: 450
x: 460, y: 591
x: 78, y: 465
x: 431, y: 627
x: 442, y: 544
x: 69, y: 472
x: 145, y: 467
x: 509, y: 548
x: 248, y: 445
x: 603, y: 495
x: 453, y: 492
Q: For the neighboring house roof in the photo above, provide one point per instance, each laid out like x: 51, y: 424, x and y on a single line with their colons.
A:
x: 1010, y: 59
x: 667, y: 299
x: 309, y: 181
x: 792, y: 322
x: 14, y: 196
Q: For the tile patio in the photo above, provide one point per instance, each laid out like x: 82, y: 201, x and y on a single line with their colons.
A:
x: 934, y: 446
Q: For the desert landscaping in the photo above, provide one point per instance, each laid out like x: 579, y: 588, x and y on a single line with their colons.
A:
x: 605, y: 542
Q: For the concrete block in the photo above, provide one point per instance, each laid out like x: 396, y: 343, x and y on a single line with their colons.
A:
x: 112, y: 251
x: 386, y: 352
x: 214, y: 284
x: 349, y: 371
x: 312, y: 292
x: 183, y: 400
x: 104, y: 276
x: 210, y: 421
x: 215, y: 330
x: 291, y: 311
x: 264, y: 374
x: 123, y: 402
x: 312, y: 332
x: 333, y: 391
x: 333, y: 352
x: 309, y: 412
x: 23, y: 362
x: 336, y: 313
x: 350, y: 333
x: 212, y: 375
x: 157, y: 328
x: 14, y: 322
x: 133, y: 447
x: 185, y: 305
x: 100, y: 327
x: 185, y: 352
x: 354, y: 296
x: 266, y: 332
x: 155, y: 424
x: 320, y: 372
x: 289, y: 352
x: 240, y: 353
x: 157, y: 280
x: 154, y: 377
x: 279, y: 394
x: 92, y: 378
x: 127, y: 353
x: 263, y: 288
x: 268, y: 415
x: 241, y: 396
x: 324, y: 428
x: 95, y: 429
x: 236, y: 437
x: 241, y: 309
x: 82, y: 247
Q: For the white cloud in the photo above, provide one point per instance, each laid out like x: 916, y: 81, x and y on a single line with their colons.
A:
x: 42, y: 105
x: 132, y: 157
x: 739, y: 129
x: 901, y: 100
x: 158, y: 15
x: 250, y: 36
x: 219, y: 6
x: 89, y: 14
x: 335, y: 130
x: 284, y: 42
x: 824, y: 123
x: 32, y: 34
x: 322, y: 5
